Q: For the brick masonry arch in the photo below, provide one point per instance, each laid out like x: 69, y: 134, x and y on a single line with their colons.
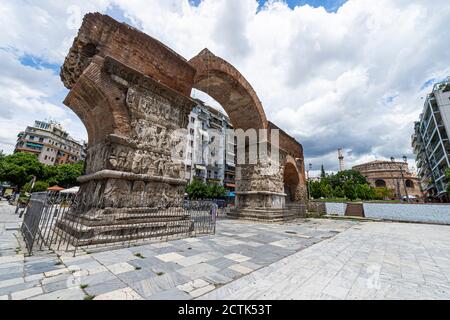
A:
x: 294, y: 179
x: 133, y: 95
x: 228, y: 86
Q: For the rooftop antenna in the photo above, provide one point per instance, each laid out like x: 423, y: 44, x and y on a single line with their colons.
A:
x: 341, y: 159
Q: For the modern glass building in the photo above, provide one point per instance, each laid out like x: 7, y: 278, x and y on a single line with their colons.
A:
x: 430, y: 141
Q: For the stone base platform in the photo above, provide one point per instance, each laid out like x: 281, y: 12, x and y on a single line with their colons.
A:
x: 269, y: 215
x: 117, y: 225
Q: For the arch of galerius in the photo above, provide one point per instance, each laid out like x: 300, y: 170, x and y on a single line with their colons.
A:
x: 132, y: 92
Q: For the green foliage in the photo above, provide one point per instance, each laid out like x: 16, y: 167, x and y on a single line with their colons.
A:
x: 196, y: 190
x: 67, y: 174
x: 322, y: 172
x: 19, y: 169
x: 338, y: 192
x: 199, y: 190
x: 39, y: 186
x: 364, y: 192
x: 349, y: 175
x: 215, y: 191
x: 349, y: 189
x: 447, y: 174
x: 383, y: 193
x: 349, y: 184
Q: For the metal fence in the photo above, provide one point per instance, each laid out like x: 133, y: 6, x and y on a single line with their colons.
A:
x: 54, y: 221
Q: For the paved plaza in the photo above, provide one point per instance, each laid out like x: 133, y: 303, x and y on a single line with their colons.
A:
x: 313, y: 259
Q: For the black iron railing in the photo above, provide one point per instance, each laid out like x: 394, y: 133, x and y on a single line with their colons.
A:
x: 58, y: 221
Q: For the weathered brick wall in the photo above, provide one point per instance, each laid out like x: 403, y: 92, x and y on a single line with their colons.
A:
x: 102, y: 35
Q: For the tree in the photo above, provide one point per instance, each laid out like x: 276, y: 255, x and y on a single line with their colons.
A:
x: 326, y: 190
x: 323, y: 174
x: 67, y: 174
x: 447, y: 174
x: 196, y: 190
x: 383, y: 193
x: 199, y: 190
x: 338, y: 192
x: 19, y: 168
x: 316, y: 190
x: 215, y: 191
x: 39, y: 186
x: 349, y: 175
x: 364, y: 192
x: 349, y: 189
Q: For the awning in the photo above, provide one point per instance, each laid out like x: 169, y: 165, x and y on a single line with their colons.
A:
x: 34, y: 145
x: 231, y: 194
x: 55, y: 188
x: 71, y: 190
x: 230, y: 185
x: 200, y: 167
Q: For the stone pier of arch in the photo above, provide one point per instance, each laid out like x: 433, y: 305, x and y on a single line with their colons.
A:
x: 132, y: 92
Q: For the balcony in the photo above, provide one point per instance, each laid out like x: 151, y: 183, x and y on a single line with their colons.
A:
x: 230, y: 169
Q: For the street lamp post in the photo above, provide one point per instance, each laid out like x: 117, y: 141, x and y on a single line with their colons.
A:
x: 405, y: 159
x: 309, y: 181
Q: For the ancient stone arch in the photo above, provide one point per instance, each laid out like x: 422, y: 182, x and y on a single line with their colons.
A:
x: 132, y: 93
x: 227, y: 86
x: 291, y: 179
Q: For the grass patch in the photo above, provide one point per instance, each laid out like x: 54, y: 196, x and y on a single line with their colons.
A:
x: 89, y: 297
x: 83, y: 286
x: 160, y: 274
x: 139, y: 255
x: 137, y: 268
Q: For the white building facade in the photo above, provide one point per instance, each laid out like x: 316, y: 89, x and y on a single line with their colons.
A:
x: 51, y: 143
x: 210, y: 150
x: 431, y: 143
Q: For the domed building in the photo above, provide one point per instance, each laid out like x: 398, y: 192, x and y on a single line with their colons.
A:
x: 391, y: 175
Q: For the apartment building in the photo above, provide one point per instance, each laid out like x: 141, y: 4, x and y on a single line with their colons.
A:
x: 51, y: 143
x: 430, y: 141
x: 210, y: 151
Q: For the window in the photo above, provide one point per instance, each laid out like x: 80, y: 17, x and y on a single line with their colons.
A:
x: 192, y: 120
x: 409, y: 184
x: 380, y: 184
x: 45, y: 158
x: 192, y: 132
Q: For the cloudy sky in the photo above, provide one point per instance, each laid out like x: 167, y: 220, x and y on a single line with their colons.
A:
x: 332, y: 73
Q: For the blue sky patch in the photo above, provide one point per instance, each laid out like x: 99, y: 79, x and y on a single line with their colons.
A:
x: 38, y: 63
x: 117, y: 13
x: 329, y: 5
x: 390, y: 99
x: 428, y: 83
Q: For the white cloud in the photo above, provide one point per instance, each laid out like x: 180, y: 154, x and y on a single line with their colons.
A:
x: 349, y: 79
